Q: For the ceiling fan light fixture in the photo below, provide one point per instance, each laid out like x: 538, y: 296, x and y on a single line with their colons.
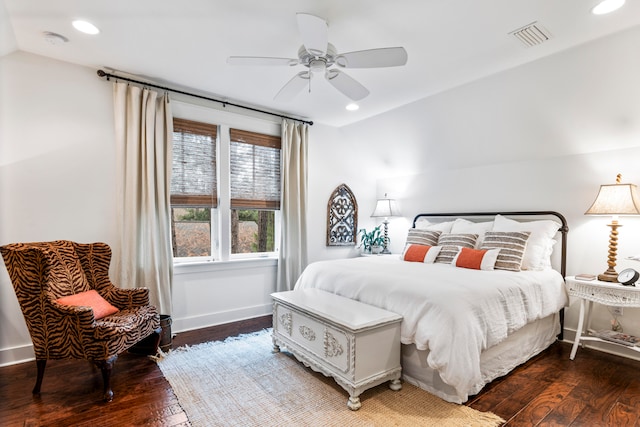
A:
x: 607, y: 6
x: 317, y: 65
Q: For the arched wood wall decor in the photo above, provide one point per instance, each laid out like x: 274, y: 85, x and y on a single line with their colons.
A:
x: 342, y: 217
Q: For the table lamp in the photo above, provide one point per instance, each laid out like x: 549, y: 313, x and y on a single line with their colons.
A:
x: 615, y: 199
x: 385, y: 208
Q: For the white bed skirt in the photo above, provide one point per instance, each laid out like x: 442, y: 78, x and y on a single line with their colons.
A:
x: 495, y: 362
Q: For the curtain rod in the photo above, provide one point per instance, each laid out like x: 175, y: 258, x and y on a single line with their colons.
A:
x: 102, y: 73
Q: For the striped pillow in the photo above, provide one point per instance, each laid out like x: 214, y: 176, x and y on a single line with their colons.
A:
x: 422, y: 237
x: 451, y: 244
x: 512, y: 245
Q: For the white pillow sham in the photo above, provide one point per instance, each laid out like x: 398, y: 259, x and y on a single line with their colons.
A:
x: 424, y: 224
x: 463, y: 226
x: 537, y: 255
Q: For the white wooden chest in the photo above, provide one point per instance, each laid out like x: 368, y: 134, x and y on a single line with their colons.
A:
x: 355, y: 343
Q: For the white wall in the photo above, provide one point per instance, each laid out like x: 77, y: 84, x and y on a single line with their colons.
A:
x: 542, y: 136
x: 56, y: 167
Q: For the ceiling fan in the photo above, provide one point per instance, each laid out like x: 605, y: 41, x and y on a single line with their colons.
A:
x: 320, y: 56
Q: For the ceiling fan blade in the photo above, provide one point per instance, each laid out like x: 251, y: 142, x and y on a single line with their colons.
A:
x: 293, y: 87
x: 314, y: 33
x: 258, y: 60
x: 347, y: 85
x: 373, y: 58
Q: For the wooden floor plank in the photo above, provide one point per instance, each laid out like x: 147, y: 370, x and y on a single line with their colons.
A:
x: 541, y: 405
x: 622, y: 415
x: 565, y: 413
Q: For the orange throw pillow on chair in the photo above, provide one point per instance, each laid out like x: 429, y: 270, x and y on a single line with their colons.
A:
x: 101, y: 307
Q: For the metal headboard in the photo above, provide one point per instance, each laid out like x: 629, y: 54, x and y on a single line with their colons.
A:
x: 564, y: 228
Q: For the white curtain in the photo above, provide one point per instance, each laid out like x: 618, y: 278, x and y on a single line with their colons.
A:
x: 293, y: 239
x: 143, y: 256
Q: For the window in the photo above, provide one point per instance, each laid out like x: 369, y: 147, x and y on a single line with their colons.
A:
x: 255, y: 190
x: 225, y: 191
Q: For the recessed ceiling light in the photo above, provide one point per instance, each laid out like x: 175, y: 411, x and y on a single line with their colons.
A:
x: 607, y: 6
x: 85, y: 27
x: 352, y: 107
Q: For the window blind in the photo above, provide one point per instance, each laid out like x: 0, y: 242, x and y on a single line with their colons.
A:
x: 254, y: 170
x: 193, y: 179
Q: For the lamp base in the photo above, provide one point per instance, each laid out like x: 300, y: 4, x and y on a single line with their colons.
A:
x: 608, y: 276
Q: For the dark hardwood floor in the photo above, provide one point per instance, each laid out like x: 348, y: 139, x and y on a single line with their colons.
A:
x: 596, y: 389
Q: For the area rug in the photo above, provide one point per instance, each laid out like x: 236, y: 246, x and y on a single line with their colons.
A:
x: 240, y: 382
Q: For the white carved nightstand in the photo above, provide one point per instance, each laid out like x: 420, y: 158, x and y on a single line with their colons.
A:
x: 355, y: 343
x: 606, y: 293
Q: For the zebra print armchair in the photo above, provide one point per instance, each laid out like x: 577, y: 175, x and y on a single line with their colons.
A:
x: 46, y: 274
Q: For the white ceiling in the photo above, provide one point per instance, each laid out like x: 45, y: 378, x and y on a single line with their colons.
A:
x: 186, y: 43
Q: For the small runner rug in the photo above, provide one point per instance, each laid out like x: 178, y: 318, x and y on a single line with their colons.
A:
x: 240, y: 382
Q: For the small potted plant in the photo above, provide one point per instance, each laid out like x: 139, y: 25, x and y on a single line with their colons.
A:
x: 371, y: 242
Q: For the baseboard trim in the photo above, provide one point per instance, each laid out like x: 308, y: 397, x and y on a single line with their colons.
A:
x: 16, y: 355
x: 212, y: 319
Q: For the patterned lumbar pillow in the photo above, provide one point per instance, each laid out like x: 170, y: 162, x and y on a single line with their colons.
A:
x: 451, y: 244
x: 421, y: 253
x: 512, y: 245
x: 477, y: 259
x: 101, y: 307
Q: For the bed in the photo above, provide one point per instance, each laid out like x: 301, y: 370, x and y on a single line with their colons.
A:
x: 473, y: 308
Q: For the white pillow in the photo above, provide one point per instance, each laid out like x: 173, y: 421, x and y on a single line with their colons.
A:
x: 424, y: 224
x: 463, y: 226
x: 537, y: 255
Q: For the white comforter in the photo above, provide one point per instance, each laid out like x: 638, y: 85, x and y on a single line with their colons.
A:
x: 455, y: 313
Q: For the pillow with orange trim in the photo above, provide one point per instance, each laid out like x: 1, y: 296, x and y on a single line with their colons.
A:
x: 451, y: 244
x: 421, y: 253
x: 477, y: 259
x: 101, y: 307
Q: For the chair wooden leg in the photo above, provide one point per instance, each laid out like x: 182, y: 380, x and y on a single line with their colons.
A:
x: 40, y: 364
x: 105, y: 367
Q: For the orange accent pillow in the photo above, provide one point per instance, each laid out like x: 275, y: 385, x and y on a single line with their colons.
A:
x: 416, y: 253
x: 101, y: 307
x: 470, y: 258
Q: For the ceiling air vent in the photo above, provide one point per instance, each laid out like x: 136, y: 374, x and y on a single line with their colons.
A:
x: 532, y: 34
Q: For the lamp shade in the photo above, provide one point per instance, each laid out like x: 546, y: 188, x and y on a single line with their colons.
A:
x: 385, y: 208
x: 616, y: 199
